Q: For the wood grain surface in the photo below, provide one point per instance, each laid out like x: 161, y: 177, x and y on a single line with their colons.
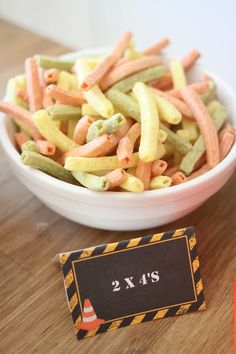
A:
x: 34, y: 316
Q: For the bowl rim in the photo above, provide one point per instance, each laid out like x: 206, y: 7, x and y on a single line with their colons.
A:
x: 53, y: 182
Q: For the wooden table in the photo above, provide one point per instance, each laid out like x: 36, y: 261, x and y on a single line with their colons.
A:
x: 34, y: 315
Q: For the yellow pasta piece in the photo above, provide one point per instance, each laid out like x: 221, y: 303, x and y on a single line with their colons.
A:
x: 162, y: 136
x: 86, y: 109
x: 159, y: 182
x: 178, y: 74
x: 91, y: 164
x: 94, y: 96
x: 51, y: 133
x: 13, y: 85
x: 161, y: 151
x: 71, y: 127
x: 73, y: 83
x: 192, y: 128
x: 132, y: 184
x: 184, y: 134
x: 167, y: 110
x: 64, y: 80
x: 149, y: 122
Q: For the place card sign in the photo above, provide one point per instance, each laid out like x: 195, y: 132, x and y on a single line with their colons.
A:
x: 133, y: 281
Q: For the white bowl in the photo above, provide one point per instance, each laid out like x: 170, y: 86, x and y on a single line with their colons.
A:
x: 123, y: 211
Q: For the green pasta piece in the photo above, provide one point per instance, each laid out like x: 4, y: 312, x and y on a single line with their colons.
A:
x: 131, y: 109
x: 146, y: 75
x: 48, y: 62
x: 208, y: 96
x: 92, y: 182
x: 29, y: 145
x: 65, y: 112
x: 218, y: 113
x: 179, y: 143
x: 47, y: 165
x: 108, y: 126
x: 114, y: 122
x: 97, y: 128
x: 125, y: 103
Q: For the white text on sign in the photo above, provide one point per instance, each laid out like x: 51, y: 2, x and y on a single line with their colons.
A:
x: 130, y: 282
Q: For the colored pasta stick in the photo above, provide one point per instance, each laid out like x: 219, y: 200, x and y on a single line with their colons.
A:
x: 92, y: 149
x: 92, y: 164
x: 108, y: 126
x: 157, y: 47
x: 64, y: 80
x: 178, y: 75
x: 29, y: 145
x: 127, y: 69
x: 132, y: 184
x: 47, y: 62
x: 71, y: 128
x: 143, y: 173
x: 45, y: 147
x: 158, y: 168
x: 81, y: 129
x: 162, y: 136
x: 102, y: 68
x: 51, y: 76
x: 159, y: 182
x: 179, y: 105
x: 47, y: 165
x: 205, y: 124
x: 149, y: 122
x: 50, y: 132
x: 34, y: 90
x: 178, y: 178
x: 218, y: 114
x: 65, y: 96
x: 200, y: 88
x: 190, y: 59
x: 180, y: 144
x: 92, y: 182
x: 126, y: 144
x: 65, y: 112
x: 167, y: 110
x: 94, y: 96
x: 191, y: 127
x: 116, y: 177
x: 86, y: 109
x: 146, y: 75
x: 13, y: 85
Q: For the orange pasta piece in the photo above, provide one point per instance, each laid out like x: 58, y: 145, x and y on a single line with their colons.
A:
x: 205, y: 124
x: 143, y: 172
x: 46, y: 100
x: 81, y: 129
x: 178, y: 178
x: 17, y: 112
x: 164, y: 83
x: 156, y: 48
x: 190, y: 59
x: 65, y: 96
x: 22, y: 94
x: 64, y: 126
x: 205, y: 168
x: 104, y: 66
x: 34, y: 89
x: 226, y: 142
x: 171, y: 170
x: 21, y: 138
x: 126, y: 144
x: 120, y: 62
x: 92, y: 149
x: 51, y: 76
x: 227, y: 128
x: 128, y: 68
x: 158, y: 168
x: 45, y: 147
x: 115, y: 137
x: 180, y: 105
x: 116, y: 177
x: 200, y: 87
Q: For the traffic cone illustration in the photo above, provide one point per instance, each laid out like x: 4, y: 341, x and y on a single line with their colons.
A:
x: 90, y: 320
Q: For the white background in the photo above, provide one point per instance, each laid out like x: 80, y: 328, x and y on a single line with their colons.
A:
x: 209, y: 25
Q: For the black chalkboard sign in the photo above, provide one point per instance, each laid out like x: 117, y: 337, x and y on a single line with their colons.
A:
x: 133, y: 281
